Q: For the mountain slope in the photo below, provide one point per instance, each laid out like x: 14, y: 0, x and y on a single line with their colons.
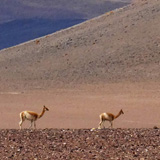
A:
x: 123, y: 45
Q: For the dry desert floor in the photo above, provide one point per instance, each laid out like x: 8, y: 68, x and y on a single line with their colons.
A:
x: 79, y: 107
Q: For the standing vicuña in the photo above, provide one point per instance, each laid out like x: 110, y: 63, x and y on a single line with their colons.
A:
x: 108, y: 117
x: 31, y: 116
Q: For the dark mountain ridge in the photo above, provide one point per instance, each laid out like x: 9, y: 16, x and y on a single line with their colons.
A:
x: 47, y: 9
x: 45, y: 17
x: 19, y: 31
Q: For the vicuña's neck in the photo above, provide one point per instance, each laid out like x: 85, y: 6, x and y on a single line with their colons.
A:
x: 41, y: 114
x: 118, y: 115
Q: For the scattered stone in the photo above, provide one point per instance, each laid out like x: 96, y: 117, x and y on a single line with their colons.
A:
x: 82, y: 143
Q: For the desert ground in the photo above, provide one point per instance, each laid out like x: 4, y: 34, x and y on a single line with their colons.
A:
x: 65, y: 131
x: 109, y: 144
x: 80, y: 107
x: 106, y: 64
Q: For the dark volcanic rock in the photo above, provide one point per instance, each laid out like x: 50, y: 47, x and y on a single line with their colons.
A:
x: 80, y: 143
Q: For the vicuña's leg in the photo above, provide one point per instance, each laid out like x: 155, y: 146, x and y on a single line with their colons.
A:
x: 31, y: 124
x: 99, y: 126
x: 103, y: 124
x: 20, y: 124
x: 111, y: 124
x: 22, y: 119
x: 35, y: 124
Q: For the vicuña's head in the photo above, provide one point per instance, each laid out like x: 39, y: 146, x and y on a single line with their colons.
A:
x: 45, y: 108
x: 121, y: 111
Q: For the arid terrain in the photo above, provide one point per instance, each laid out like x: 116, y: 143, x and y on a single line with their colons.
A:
x: 109, y: 144
x: 102, y: 65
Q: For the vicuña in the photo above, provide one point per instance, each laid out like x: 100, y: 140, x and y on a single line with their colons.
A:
x: 31, y: 116
x: 108, y: 117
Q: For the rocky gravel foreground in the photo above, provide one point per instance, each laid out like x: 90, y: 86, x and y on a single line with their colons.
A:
x: 106, y: 144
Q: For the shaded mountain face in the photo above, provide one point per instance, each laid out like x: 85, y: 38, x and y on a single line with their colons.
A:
x: 56, y: 9
x: 21, y: 21
x: 121, y: 45
x: 18, y: 31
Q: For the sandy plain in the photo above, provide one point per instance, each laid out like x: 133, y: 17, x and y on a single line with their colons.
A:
x: 80, y: 107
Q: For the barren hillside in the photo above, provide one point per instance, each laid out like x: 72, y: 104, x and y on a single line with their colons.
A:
x: 122, y: 45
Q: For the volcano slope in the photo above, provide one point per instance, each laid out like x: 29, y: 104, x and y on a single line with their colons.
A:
x: 122, y: 45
